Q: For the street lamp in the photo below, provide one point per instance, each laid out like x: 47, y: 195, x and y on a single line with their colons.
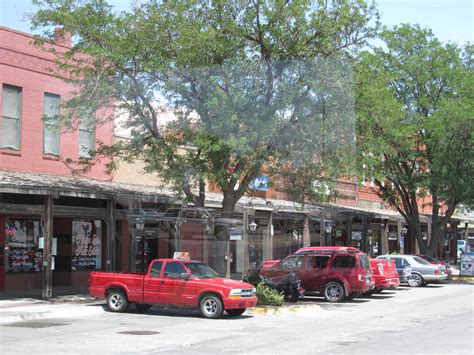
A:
x: 404, y: 231
x: 252, y: 226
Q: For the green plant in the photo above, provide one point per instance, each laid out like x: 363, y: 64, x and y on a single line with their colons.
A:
x: 269, y: 296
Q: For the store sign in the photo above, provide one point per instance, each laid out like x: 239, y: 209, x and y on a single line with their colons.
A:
x: 467, y: 264
x: 392, y: 236
x: 260, y: 183
x: 235, y: 233
x: 356, y: 235
x: 181, y: 255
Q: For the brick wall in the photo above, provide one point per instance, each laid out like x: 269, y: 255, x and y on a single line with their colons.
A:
x: 30, y: 68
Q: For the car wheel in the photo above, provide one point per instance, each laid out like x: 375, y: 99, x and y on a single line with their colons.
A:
x: 333, y: 292
x: 143, y: 306
x: 117, y: 301
x: 235, y: 312
x: 415, y: 280
x: 211, y: 306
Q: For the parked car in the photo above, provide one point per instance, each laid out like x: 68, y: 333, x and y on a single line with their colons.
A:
x: 185, y: 283
x: 334, y: 272
x: 435, y: 261
x: 422, y: 272
x: 385, y: 275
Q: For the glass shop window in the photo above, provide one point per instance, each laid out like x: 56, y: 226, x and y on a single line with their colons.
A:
x: 22, y: 253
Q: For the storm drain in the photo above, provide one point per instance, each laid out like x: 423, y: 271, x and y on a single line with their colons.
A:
x: 139, y: 332
x: 34, y: 324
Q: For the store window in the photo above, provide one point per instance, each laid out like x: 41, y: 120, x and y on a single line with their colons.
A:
x: 22, y: 238
x: 51, y: 124
x: 86, y: 245
x: 11, y: 117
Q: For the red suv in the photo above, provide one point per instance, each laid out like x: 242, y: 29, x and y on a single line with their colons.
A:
x: 334, y: 272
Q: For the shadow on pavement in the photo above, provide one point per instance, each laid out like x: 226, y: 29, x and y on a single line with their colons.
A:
x: 173, y: 312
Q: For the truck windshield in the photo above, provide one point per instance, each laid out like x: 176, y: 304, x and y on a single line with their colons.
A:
x: 201, y: 271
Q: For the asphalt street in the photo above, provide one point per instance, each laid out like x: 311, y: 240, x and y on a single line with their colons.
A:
x: 437, y: 319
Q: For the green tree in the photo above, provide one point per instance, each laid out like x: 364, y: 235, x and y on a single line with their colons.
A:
x: 245, y: 79
x: 415, y: 122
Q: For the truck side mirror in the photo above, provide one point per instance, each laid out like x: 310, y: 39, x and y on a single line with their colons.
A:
x: 184, y: 276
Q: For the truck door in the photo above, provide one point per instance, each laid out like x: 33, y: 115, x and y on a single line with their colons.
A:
x: 293, y: 263
x: 152, y: 283
x: 173, y: 288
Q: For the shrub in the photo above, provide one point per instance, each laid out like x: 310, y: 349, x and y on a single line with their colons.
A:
x: 268, y: 296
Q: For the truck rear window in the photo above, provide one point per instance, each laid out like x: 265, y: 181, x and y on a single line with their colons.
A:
x: 344, y: 261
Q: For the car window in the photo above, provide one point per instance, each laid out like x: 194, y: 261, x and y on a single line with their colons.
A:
x: 292, y: 262
x: 406, y: 262
x: 398, y: 262
x: 156, y: 268
x: 317, y: 262
x: 201, y: 271
x: 344, y: 261
x: 421, y: 261
x: 173, y: 269
x: 364, y: 261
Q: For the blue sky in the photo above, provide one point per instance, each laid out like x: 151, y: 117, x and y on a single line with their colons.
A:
x: 450, y: 20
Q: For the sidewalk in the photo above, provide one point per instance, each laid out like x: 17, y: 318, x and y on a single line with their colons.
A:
x: 27, y: 309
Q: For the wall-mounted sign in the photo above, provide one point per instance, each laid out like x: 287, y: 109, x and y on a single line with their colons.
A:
x: 356, y: 235
x: 235, y: 233
x: 260, y: 183
x: 392, y: 235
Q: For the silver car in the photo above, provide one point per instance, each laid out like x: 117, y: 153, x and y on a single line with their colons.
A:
x: 422, y: 272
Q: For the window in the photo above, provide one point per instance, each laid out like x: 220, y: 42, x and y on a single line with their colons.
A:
x: 317, y: 262
x: 156, y: 268
x: 174, y: 269
x: 86, y: 245
x: 22, y: 251
x: 11, y: 117
x: 293, y: 262
x: 86, y: 136
x: 344, y: 261
x: 364, y: 262
x: 51, y: 124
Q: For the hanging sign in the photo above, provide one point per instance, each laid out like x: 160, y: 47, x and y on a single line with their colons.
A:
x: 356, y: 235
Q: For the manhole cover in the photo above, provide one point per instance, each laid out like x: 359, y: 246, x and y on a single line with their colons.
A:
x: 139, y: 332
x: 34, y: 324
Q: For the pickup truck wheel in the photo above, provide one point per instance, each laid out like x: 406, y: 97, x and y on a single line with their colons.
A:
x: 143, y: 306
x: 415, y: 280
x: 333, y: 292
x: 117, y: 301
x: 235, y: 312
x: 211, y: 306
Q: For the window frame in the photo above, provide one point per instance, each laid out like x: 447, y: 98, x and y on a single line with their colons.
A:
x: 20, y: 112
x: 86, y: 126
x: 55, y: 125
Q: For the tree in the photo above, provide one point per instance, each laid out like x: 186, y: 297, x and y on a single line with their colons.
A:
x: 245, y: 79
x: 415, y: 122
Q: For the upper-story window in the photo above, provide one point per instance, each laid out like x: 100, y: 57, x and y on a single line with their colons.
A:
x: 51, y: 124
x: 11, y: 117
x: 86, y: 136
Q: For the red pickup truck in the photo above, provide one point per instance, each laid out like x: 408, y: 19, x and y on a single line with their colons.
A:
x: 334, y: 272
x: 384, y: 274
x: 185, y: 283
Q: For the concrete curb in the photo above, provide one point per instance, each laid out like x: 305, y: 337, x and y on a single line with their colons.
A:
x: 35, y: 311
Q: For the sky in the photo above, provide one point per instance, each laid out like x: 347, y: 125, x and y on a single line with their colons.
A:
x: 450, y: 20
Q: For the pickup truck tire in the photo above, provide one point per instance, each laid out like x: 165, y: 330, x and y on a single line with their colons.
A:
x: 333, y: 292
x: 211, y: 306
x: 117, y: 301
x: 235, y: 312
x: 143, y: 306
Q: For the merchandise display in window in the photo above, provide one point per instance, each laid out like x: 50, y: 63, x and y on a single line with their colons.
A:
x: 86, y: 245
x: 22, y: 245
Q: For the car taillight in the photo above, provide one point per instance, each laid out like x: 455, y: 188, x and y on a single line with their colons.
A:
x: 438, y: 272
